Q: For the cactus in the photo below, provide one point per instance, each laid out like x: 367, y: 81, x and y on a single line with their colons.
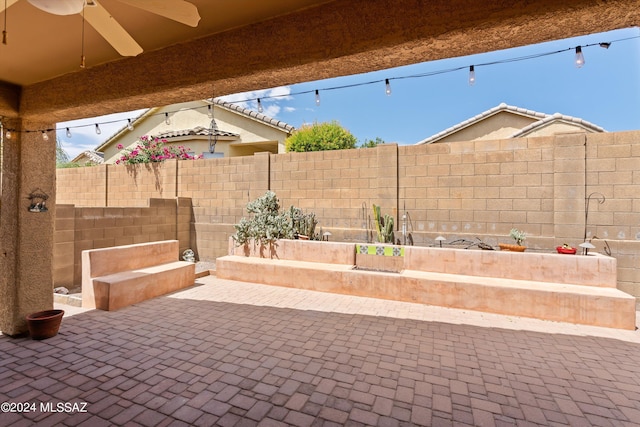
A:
x: 384, y: 226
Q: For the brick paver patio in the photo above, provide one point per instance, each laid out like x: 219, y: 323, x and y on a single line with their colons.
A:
x: 237, y: 354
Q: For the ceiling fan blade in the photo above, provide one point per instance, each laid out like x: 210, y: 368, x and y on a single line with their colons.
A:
x: 176, y: 10
x: 9, y: 3
x: 100, y: 19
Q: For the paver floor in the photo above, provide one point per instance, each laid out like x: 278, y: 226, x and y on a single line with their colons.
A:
x: 239, y: 354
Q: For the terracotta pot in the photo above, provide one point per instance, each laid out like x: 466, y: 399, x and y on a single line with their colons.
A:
x: 44, y: 324
x: 512, y: 248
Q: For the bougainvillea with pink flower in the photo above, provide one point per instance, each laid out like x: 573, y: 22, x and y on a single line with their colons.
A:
x: 149, y: 150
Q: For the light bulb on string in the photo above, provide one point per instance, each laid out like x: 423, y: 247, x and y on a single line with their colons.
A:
x: 472, y: 75
x: 387, y: 87
x: 8, y: 134
x: 98, y: 131
x: 68, y: 133
x: 260, y: 110
x: 579, y: 57
x: 167, y: 120
x: 317, y: 97
x: 210, y: 111
x: 129, y: 125
x: 45, y: 137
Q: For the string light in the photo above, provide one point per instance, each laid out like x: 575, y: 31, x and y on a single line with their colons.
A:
x: 210, y: 112
x: 579, y: 57
x: 167, y: 120
x: 45, y: 137
x: 129, y: 125
x: 472, y: 75
x: 68, y: 133
x: 387, y: 87
x: 259, y: 106
x: 578, y: 49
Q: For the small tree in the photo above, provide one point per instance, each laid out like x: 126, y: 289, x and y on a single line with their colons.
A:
x: 320, y: 137
x: 371, y: 143
x: 62, y: 158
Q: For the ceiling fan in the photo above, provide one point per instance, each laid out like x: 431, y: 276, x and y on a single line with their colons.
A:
x: 101, y: 20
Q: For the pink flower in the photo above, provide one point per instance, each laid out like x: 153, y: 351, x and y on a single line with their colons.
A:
x: 120, y: 146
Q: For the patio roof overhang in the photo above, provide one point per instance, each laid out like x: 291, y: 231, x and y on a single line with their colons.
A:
x: 262, y: 46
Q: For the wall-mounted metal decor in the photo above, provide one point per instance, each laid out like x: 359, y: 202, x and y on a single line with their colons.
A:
x: 38, y: 200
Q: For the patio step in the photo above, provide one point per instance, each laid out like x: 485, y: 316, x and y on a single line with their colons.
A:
x: 589, y: 305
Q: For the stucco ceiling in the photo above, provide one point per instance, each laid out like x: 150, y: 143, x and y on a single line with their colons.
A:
x: 243, y: 45
x: 41, y: 46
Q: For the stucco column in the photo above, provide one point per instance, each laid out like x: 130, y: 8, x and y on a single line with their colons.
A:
x: 26, y: 252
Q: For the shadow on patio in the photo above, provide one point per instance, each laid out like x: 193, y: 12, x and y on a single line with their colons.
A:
x: 230, y: 353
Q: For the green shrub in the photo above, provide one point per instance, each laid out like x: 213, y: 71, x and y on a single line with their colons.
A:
x: 320, y: 137
x: 267, y: 224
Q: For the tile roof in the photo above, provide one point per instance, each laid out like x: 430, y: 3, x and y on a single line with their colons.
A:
x: 557, y: 117
x: 543, y: 119
x: 255, y: 115
x: 93, y: 156
x: 197, y: 131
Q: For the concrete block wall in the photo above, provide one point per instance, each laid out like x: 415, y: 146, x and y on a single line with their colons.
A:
x: 82, y: 186
x: 82, y: 228
x: 477, y: 188
x: 220, y: 190
x: 339, y: 186
x: 134, y: 185
x: 458, y: 190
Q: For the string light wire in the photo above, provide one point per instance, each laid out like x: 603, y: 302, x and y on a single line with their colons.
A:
x: 365, y: 83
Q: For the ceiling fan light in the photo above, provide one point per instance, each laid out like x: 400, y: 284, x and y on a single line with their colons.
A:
x: 59, y: 7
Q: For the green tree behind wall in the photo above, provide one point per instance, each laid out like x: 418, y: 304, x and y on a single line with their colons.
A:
x: 320, y: 137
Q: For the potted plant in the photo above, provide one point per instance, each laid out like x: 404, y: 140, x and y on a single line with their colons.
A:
x: 566, y: 249
x: 519, y: 236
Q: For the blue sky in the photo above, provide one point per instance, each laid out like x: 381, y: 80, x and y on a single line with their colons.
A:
x: 605, y: 91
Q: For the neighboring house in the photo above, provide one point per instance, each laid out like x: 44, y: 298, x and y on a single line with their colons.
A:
x: 506, y: 121
x: 237, y: 131
x: 89, y: 158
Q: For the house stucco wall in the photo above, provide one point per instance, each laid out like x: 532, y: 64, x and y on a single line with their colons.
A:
x: 190, y: 115
x: 458, y: 190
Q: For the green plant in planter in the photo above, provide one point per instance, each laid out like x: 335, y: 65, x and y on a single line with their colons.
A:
x: 384, y: 226
x: 518, y: 235
x: 267, y: 224
x: 303, y: 224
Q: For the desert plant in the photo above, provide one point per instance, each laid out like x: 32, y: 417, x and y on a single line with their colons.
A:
x: 267, y: 224
x: 518, y: 235
x: 303, y: 223
x: 384, y: 226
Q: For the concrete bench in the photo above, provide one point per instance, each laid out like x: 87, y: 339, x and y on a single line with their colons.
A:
x: 119, y: 276
x: 567, y: 288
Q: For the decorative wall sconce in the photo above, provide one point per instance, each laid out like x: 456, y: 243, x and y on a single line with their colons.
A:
x: 38, y: 200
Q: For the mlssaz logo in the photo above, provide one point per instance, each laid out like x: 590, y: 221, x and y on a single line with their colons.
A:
x: 66, y: 407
